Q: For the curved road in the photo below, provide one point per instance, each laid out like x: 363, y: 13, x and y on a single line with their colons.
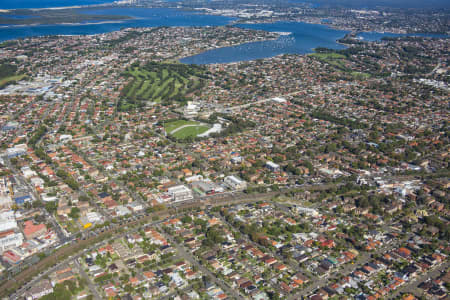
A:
x: 185, y: 126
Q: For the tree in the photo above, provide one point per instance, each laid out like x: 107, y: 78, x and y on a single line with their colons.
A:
x: 186, y: 219
x: 74, y: 213
x: 37, y: 204
x: 51, y: 207
x: 83, y: 198
x: 213, y: 237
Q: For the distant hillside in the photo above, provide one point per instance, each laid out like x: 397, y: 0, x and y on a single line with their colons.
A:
x: 430, y: 4
x: 357, y: 4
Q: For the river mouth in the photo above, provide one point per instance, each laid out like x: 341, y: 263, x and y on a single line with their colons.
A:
x: 295, y: 37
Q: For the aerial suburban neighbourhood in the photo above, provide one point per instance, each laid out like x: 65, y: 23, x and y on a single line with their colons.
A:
x: 130, y: 169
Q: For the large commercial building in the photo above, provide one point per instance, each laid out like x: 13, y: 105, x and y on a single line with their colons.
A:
x: 272, y: 166
x: 190, y: 110
x: 7, y: 221
x: 17, y: 150
x: 12, y: 125
x: 31, y: 230
x: 9, y: 235
x: 235, y: 183
x: 10, y: 239
x: 180, y: 193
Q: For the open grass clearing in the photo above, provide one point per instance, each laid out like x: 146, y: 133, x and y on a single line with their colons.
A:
x: 360, y: 75
x: 182, y: 129
x: 159, y: 82
x: 191, y: 131
x: 7, y: 80
x: 327, y: 55
x: 171, y: 126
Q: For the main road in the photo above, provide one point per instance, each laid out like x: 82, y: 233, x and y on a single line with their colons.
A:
x: 27, y: 277
x: 237, y: 107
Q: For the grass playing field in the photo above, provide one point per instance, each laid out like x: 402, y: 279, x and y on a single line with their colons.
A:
x: 327, y: 55
x: 182, y: 129
x: 7, y: 80
x: 338, y: 61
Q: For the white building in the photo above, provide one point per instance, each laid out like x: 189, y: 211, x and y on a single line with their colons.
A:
x: 39, y: 290
x: 27, y: 172
x: 5, y: 201
x: 17, y: 150
x: 37, y: 181
x: 7, y: 221
x: 180, y: 193
x: 122, y: 211
x: 135, y: 206
x: 90, y: 219
x: 215, y: 129
x: 307, y: 211
x: 190, y: 110
x: 235, y: 183
x: 12, y: 125
x: 94, y: 217
x: 65, y: 138
x: 176, y: 278
x: 5, y: 193
x: 272, y: 166
x: 194, y: 178
x: 48, y: 198
x: 331, y: 172
x: 279, y: 100
x: 237, y: 160
x: 10, y: 239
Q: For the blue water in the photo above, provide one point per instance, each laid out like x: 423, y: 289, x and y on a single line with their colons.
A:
x: 18, y: 17
x: 143, y: 17
x: 12, y: 4
x: 154, y: 17
x: 303, y: 39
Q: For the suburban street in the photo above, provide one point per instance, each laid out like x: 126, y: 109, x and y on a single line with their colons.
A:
x: 184, y: 254
x: 412, y: 286
x: 226, y: 149
x: 362, y: 259
x: 92, y: 287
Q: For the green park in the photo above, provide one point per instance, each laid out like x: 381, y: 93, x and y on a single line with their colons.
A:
x: 182, y: 129
x: 160, y: 83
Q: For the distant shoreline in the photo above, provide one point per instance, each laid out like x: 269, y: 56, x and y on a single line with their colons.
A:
x: 62, y: 24
x: 63, y: 7
x: 59, y: 16
x: 73, y: 16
